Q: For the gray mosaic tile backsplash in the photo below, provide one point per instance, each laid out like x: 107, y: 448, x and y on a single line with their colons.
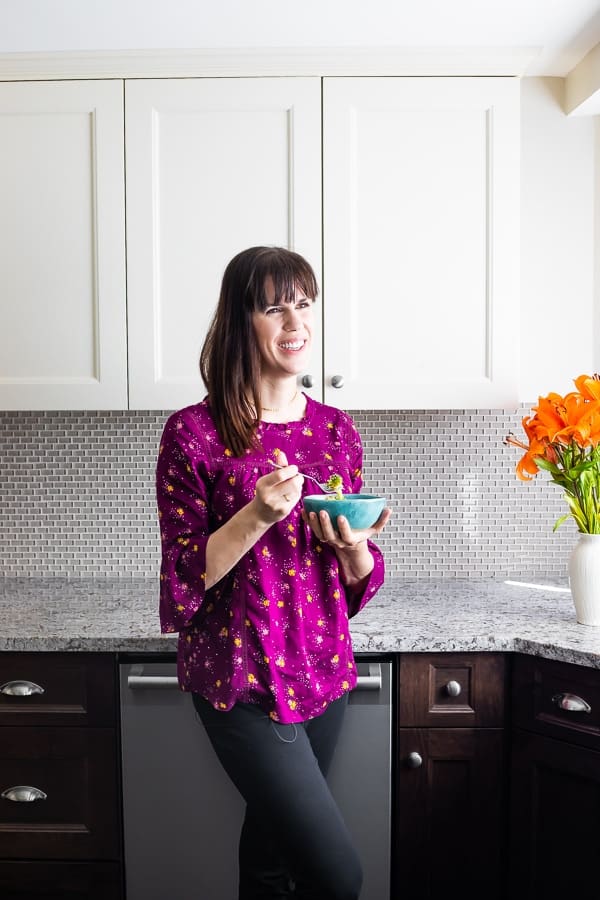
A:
x: 76, y: 495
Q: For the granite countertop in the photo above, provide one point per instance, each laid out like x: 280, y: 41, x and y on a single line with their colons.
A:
x: 121, y: 615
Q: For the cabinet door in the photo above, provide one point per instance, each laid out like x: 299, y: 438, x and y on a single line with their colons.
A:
x: 213, y: 166
x: 421, y: 241
x: 27, y: 880
x: 450, y: 820
x: 62, y: 246
x: 555, y: 810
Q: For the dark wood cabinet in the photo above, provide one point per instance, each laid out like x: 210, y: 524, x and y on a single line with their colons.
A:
x: 450, y: 822
x: 452, y: 690
x: 557, y: 699
x: 59, y: 744
x: 76, y: 769
x: 484, y: 805
x: 555, y: 781
x: 66, y: 689
x: 555, y: 816
x: 60, y: 881
x: 450, y: 792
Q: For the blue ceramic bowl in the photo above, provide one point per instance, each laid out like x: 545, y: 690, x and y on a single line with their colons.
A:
x: 361, y: 510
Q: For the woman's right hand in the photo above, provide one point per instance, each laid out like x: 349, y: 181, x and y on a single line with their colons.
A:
x: 275, y: 496
x: 278, y: 492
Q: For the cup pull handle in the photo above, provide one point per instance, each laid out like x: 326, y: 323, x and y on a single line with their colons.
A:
x: 23, y: 793
x: 19, y: 688
x: 571, y: 703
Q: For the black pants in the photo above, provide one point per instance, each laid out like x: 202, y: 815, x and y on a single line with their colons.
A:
x: 294, y: 842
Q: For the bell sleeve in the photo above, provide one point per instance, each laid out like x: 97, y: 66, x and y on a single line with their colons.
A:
x: 358, y: 598
x: 182, y: 498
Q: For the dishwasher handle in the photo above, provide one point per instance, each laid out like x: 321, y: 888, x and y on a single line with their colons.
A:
x: 370, y: 682
x: 152, y: 681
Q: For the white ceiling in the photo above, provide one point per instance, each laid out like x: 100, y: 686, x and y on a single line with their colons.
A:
x: 562, y: 31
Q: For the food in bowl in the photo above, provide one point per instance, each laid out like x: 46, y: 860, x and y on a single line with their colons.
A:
x: 360, y: 510
x: 334, y: 483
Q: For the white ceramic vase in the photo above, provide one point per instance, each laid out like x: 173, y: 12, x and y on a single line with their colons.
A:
x: 584, y: 578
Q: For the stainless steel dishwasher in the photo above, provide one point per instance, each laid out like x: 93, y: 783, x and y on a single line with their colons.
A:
x: 182, y: 816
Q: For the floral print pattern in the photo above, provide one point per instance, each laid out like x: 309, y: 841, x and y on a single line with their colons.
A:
x: 274, y: 631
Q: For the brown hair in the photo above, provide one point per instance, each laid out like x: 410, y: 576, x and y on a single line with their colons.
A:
x: 230, y: 360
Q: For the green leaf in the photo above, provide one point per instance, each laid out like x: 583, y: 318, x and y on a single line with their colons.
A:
x: 561, y: 521
x: 578, y: 470
x: 543, y: 463
x: 576, y: 512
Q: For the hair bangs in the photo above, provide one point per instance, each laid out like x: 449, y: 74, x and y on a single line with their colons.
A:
x: 288, y: 271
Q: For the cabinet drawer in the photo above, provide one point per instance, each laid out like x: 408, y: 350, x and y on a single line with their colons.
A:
x: 77, y: 689
x: 452, y: 689
x: 76, y: 768
x: 60, y: 881
x: 558, y: 699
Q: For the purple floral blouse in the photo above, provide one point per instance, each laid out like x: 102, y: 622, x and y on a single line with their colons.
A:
x: 274, y: 631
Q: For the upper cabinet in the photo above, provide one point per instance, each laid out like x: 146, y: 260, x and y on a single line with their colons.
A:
x: 421, y: 242
x: 403, y: 193
x: 62, y: 246
x: 214, y: 165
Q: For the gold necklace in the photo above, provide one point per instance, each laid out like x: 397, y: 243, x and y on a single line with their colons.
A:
x: 279, y: 408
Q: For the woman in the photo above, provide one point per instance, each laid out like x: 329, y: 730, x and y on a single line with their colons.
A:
x: 260, y: 593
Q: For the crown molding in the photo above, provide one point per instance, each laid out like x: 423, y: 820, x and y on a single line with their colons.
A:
x: 582, y: 86
x: 268, y: 61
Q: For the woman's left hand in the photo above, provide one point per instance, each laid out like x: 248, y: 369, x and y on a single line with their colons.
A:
x: 344, y: 538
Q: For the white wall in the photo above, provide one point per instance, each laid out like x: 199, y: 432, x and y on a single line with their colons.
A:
x: 557, y: 241
x: 54, y: 25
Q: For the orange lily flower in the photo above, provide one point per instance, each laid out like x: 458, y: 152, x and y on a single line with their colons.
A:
x: 550, y: 417
x: 588, y: 386
x: 581, y: 420
x: 527, y: 468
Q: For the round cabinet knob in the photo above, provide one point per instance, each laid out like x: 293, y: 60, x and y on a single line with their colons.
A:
x: 414, y: 760
x: 337, y: 381
x: 307, y: 381
x: 453, y: 688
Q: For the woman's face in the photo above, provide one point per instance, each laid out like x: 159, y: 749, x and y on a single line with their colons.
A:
x: 284, y: 334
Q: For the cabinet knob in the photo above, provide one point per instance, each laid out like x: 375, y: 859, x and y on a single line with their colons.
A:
x: 21, y: 688
x: 414, y: 760
x: 307, y: 381
x: 453, y: 688
x: 337, y: 381
x: 571, y: 703
x: 23, y: 793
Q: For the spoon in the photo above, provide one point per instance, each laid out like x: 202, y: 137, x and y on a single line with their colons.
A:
x: 323, y: 486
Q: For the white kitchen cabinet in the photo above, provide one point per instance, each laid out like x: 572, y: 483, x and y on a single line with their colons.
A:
x: 62, y: 246
x: 421, y: 242
x: 214, y: 166
x: 409, y: 188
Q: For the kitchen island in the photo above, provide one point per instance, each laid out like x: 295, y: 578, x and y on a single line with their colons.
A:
x: 418, y: 616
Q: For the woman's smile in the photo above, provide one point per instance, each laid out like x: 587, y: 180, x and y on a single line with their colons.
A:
x: 293, y: 346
